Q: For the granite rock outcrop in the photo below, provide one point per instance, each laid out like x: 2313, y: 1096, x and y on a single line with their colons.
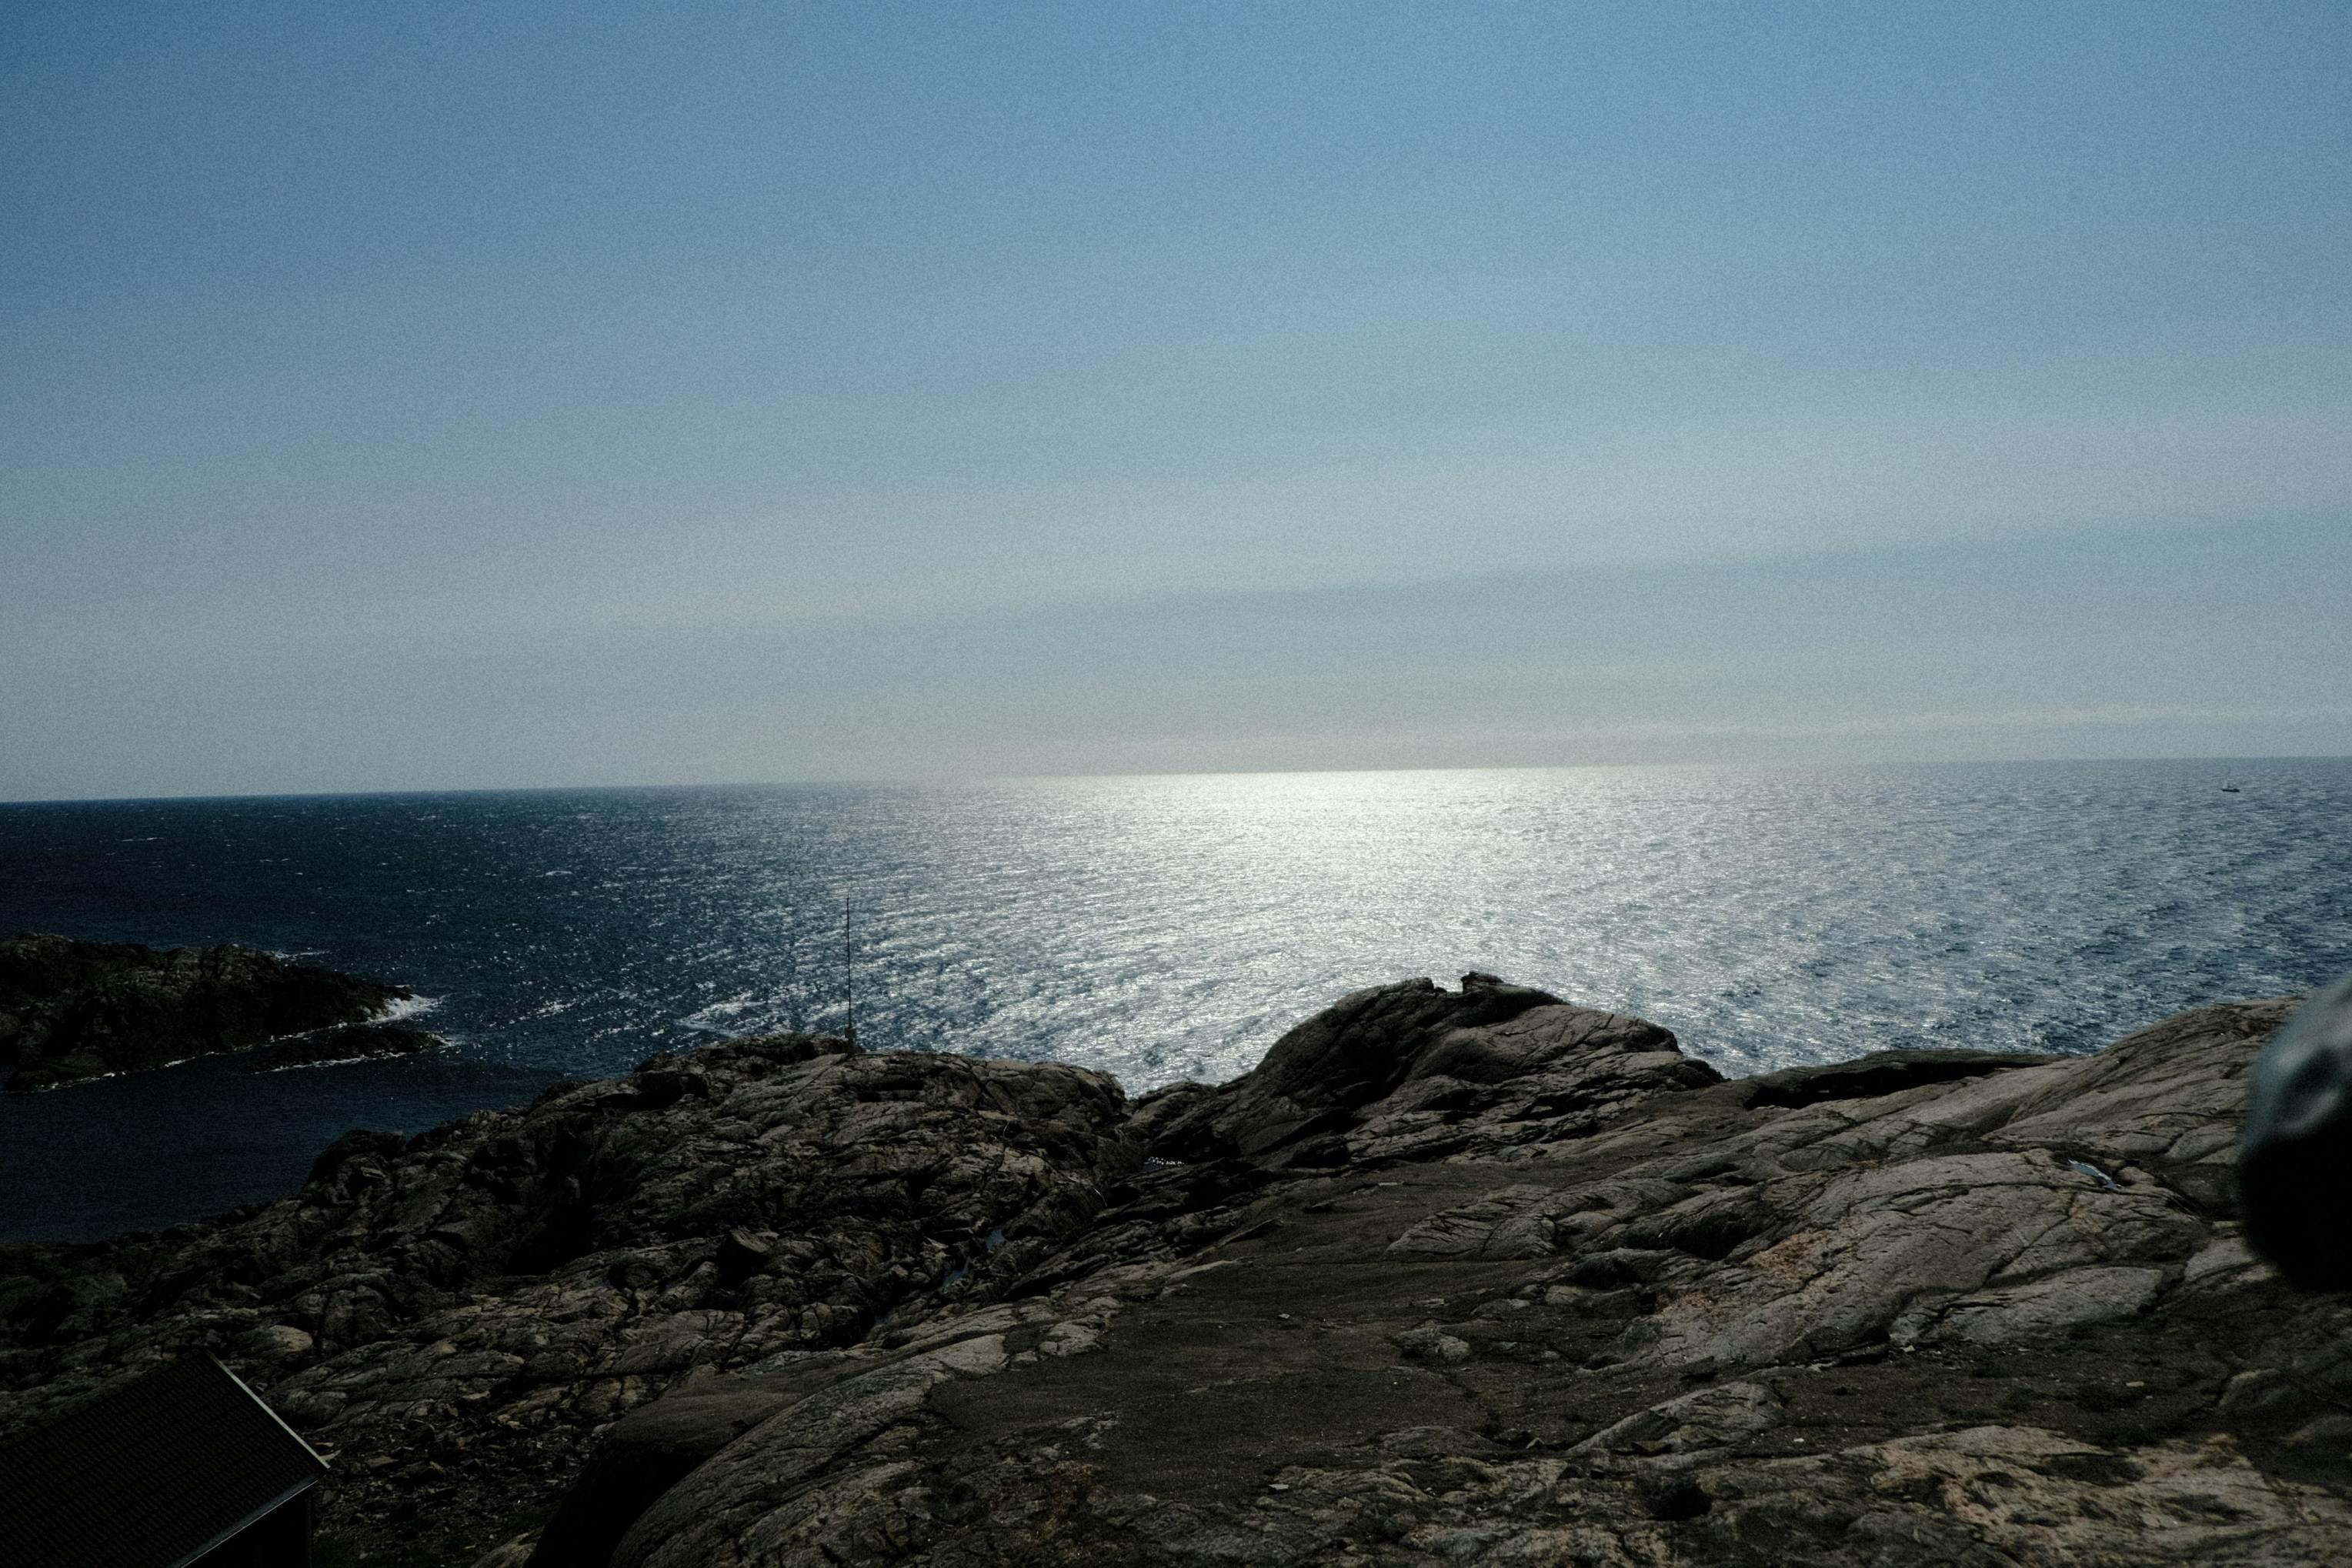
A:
x: 73, y: 1010
x: 454, y: 1316
x: 1462, y: 1276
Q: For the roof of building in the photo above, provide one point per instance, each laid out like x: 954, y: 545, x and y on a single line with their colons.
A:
x: 151, y: 1474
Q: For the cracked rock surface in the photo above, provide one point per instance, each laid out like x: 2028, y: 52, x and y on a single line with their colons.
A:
x: 454, y: 1319
x: 1460, y: 1277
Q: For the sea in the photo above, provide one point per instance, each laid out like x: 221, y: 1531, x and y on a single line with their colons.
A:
x: 1159, y: 929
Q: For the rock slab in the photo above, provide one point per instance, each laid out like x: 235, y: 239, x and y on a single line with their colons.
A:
x: 1467, y: 1275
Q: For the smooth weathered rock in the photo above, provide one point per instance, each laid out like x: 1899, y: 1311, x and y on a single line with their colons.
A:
x: 1879, y: 1073
x: 455, y: 1314
x: 74, y: 1010
x: 645, y: 1454
x: 1465, y: 1277
x: 1414, y: 1072
x: 1980, y: 1319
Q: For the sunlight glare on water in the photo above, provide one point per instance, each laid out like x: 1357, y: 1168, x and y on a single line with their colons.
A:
x: 1162, y: 928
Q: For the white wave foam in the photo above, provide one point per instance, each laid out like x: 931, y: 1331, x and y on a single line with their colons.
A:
x: 720, y: 1017
x: 450, y: 1041
x: 407, y: 1007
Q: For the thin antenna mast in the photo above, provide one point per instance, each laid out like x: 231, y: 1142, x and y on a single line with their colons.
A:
x: 848, y: 970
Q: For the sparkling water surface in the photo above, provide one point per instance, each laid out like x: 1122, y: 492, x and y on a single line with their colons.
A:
x: 1158, y: 928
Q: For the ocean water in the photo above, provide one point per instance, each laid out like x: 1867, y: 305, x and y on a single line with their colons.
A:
x: 1157, y: 928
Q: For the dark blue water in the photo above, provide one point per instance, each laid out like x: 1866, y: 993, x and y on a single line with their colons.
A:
x: 1159, y: 927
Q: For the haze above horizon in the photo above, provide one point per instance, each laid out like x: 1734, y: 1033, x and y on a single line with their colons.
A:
x: 505, y: 395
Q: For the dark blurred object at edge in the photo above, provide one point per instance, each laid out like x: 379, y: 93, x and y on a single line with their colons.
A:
x: 2294, y: 1157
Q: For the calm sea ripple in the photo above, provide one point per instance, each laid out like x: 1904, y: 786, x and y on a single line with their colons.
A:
x: 1159, y: 927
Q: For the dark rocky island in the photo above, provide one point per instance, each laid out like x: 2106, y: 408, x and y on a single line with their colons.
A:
x: 1470, y: 1277
x: 70, y: 1011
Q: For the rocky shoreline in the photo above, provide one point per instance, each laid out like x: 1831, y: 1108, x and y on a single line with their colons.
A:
x: 71, y: 1011
x: 1454, y: 1275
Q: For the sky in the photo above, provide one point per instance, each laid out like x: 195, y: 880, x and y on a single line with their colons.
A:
x: 496, y: 396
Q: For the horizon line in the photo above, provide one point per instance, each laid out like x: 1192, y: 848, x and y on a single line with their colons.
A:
x: 923, y: 781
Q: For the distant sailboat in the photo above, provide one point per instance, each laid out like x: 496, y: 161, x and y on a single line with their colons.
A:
x: 2230, y: 789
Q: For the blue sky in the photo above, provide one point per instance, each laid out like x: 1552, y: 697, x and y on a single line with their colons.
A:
x: 413, y: 397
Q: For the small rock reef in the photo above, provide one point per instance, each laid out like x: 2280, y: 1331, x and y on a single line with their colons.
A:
x: 1464, y: 1277
x: 71, y: 1010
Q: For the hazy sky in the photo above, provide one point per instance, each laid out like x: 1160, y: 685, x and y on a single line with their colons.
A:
x: 420, y: 396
